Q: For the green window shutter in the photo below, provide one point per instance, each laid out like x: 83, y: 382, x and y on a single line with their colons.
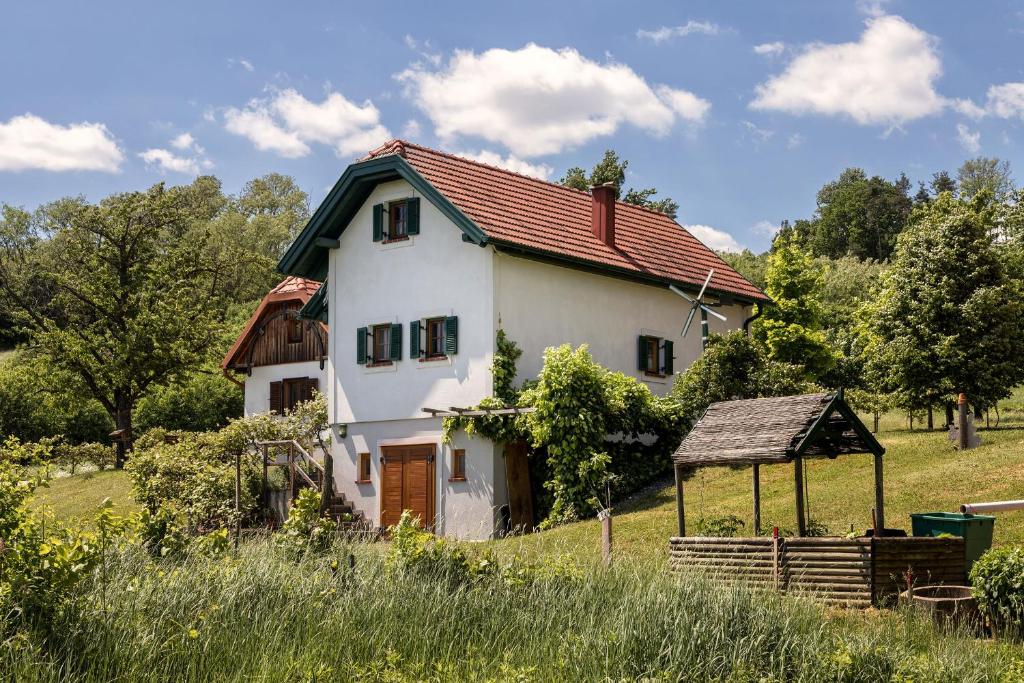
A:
x: 451, y: 335
x: 378, y: 222
x: 361, y: 346
x: 396, y: 341
x: 641, y: 353
x: 414, y: 339
x: 669, y: 365
x: 412, y: 216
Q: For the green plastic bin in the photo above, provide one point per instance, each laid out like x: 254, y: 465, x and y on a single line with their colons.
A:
x: 976, y: 530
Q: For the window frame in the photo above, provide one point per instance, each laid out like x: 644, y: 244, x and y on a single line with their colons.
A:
x: 364, y: 471
x: 393, y: 234
x: 295, y: 325
x: 373, y: 361
x: 654, y: 343
x: 458, y: 465
x: 287, y: 386
x: 431, y: 326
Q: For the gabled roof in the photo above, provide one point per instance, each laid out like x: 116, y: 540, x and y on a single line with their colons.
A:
x: 762, y: 431
x: 520, y: 214
x: 289, y: 289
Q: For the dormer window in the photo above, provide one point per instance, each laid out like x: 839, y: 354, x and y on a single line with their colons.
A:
x: 396, y: 220
x: 294, y: 331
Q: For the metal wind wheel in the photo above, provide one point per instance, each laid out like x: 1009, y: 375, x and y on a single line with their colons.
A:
x: 697, y: 303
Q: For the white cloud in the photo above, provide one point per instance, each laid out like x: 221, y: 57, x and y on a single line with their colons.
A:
x: 770, y: 49
x: 885, y: 78
x: 411, y: 129
x: 1007, y: 100
x: 242, y: 62
x: 765, y: 227
x: 537, y: 101
x: 288, y: 122
x: 186, y: 141
x: 166, y: 160
x: 29, y: 142
x: 718, y: 240
x: 757, y: 134
x: 511, y: 163
x: 971, y: 142
x: 664, y: 33
x: 794, y: 140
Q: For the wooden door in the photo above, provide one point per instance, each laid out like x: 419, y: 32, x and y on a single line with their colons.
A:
x: 520, y: 495
x: 408, y: 484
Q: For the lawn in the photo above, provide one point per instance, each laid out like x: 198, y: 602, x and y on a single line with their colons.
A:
x: 80, y: 496
x: 923, y: 473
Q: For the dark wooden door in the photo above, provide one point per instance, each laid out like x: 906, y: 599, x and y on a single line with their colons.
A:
x: 408, y: 484
x: 520, y: 496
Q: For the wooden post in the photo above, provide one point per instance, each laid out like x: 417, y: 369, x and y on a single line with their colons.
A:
x: 606, y: 537
x: 238, y: 498
x: 801, y: 523
x: 775, y: 557
x: 327, y: 494
x: 879, y: 495
x: 757, y: 500
x: 962, y: 422
x: 680, y: 511
x: 266, y: 481
x: 291, y: 476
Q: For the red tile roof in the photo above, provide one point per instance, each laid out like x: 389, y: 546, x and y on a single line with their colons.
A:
x: 291, y: 288
x: 519, y: 210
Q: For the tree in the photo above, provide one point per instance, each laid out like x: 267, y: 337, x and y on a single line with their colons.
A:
x: 613, y: 170
x: 124, y: 295
x: 860, y: 216
x: 942, y: 182
x: 791, y: 326
x: 949, y: 319
x: 985, y: 173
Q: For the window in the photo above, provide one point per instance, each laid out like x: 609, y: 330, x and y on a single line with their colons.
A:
x: 286, y: 394
x: 381, y: 349
x: 435, y: 338
x: 398, y: 223
x: 656, y: 356
x: 294, y: 331
x: 364, y: 469
x: 458, y: 465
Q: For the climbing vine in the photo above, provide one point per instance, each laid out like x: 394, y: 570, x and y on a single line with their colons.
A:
x: 587, y: 425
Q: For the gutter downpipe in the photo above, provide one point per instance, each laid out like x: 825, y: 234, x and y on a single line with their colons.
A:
x: 746, y: 323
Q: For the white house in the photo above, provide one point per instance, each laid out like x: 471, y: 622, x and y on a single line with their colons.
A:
x: 281, y: 357
x: 424, y: 256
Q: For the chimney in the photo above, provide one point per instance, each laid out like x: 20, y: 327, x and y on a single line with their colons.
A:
x: 603, y: 222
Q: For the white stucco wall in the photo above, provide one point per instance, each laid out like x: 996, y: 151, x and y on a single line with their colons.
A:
x: 257, y: 385
x: 464, y: 509
x: 541, y: 305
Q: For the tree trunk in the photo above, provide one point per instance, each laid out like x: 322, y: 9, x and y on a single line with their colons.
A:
x: 949, y: 414
x: 123, y: 422
x: 931, y: 424
x: 977, y: 414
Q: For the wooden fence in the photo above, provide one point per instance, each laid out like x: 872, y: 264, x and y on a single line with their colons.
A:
x: 852, y: 571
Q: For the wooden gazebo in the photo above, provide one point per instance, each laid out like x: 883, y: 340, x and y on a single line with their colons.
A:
x: 772, y: 431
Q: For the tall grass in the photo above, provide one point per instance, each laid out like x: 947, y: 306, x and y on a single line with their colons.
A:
x: 259, y: 616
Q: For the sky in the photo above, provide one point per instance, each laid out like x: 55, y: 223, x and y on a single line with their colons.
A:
x: 739, y: 111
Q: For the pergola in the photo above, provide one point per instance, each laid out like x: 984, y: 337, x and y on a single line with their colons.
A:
x: 773, y: 431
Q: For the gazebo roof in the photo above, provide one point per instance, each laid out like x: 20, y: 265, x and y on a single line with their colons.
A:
x: 765, y: 431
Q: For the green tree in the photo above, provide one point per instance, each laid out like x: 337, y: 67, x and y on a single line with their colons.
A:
x: 613, y: 170
x: 942, y: 182
x: 985, y: 173
x: 860, y: 216
x: 748, y: 264
x: 949, y: 319
x: 791, y: 326
x: 124, y: 295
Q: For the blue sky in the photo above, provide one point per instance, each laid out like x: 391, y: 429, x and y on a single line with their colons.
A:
x: 739, y: 111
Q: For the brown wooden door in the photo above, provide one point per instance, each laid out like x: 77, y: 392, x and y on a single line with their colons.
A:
x: 408, y: 484
x: 520, y: 496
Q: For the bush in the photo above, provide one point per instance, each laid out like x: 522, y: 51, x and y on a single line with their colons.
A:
x: 71, y: 456
x: 306, y: 530
x: 203, y: 402
x: 724, y: 527
x: 997, y: 581
x: 416, y: 550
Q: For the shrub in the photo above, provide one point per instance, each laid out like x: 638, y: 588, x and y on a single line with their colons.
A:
x: 416, y: 550
x: 71, y: 456
x: 997, y: 581
x: 202, y: 402
x: 725, y: 527
x: 306, y: 530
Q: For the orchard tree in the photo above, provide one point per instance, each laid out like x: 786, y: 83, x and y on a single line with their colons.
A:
x: 949, y: 319
x: 613, y: 170
x: 124, y: 295
x: 791, y: 326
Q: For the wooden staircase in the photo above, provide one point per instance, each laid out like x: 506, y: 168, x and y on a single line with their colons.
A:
x: 305, y: 471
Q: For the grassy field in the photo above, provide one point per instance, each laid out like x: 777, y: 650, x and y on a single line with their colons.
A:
x: 80, y: 496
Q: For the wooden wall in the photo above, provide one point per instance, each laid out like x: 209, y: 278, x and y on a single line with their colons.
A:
x: 272, y: 346
x: 851, y: 571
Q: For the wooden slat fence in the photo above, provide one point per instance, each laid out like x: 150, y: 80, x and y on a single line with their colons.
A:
x: 856, y: 572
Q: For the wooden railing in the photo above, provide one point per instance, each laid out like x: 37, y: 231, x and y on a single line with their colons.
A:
x: 297, y: 455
